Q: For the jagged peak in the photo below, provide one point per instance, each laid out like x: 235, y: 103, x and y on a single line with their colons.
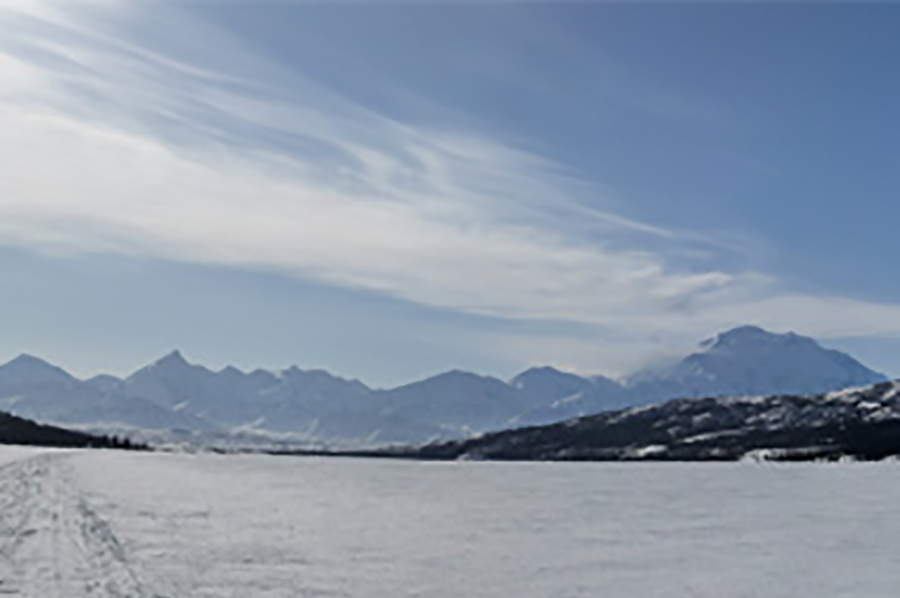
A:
x: 174, y: 364
x: 295, y: 374
x: 175, y: 354
x: 230, y: 370
x: 173, y: 358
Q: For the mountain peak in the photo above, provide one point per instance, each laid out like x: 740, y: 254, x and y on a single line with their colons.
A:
x: 747, y: 331
x: 29, y: 367
x: 541, y: 370
x: 452, y: 379
x: 455, y: 375
x: 544, y: 375
x: 750, y: 360
x: 751, y: 336
x: 172, y: 359
x: 230, y: 370
x: 29, y: 361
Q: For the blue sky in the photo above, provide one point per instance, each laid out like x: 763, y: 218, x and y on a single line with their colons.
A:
x: 389, y: 191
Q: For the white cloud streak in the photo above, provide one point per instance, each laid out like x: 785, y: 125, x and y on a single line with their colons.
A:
x: 109, y: 146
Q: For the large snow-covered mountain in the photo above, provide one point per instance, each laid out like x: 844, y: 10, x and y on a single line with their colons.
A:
x: 743, y: 361
x: 750, y: 360
x: 172, y: 394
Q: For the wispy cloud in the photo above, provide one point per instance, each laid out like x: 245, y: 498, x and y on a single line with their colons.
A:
x: 110, y: 145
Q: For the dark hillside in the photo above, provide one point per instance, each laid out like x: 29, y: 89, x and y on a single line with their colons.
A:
x: 16, y: 430
x: 862, y: 424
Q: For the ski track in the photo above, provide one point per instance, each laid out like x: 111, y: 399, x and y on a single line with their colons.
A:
x: 52, y: 543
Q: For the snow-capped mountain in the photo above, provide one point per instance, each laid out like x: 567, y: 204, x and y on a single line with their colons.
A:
x: 861, y: 423
x: 312, y: 403
x: 32, y: 388
x: 172, y: 393
x: 538, y: 384
x: 556, y: 396
x: 457, y: 402
x: 27, y: 370
x: 750, y: 360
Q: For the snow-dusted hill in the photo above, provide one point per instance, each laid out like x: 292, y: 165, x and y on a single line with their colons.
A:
x: 861, y: 423
x: 172, y: 394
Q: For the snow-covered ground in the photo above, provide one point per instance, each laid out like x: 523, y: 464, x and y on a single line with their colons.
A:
x: 184, y: 526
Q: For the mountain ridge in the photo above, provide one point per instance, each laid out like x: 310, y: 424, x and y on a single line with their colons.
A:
x: 172, y: 393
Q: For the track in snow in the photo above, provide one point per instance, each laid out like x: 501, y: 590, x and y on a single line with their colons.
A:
x: 52, y: 543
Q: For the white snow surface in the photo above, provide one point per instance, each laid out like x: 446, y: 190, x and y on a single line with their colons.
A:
x: 105, y: 523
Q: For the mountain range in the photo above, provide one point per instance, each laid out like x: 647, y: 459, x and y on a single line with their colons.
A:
x: 314, y: 405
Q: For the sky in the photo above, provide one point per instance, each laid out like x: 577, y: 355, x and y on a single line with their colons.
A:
x: 389, y: 191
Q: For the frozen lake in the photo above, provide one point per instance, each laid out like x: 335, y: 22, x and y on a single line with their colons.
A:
x: 183, y: 526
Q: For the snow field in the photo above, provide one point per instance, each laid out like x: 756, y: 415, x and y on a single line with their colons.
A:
x: 106, y: 523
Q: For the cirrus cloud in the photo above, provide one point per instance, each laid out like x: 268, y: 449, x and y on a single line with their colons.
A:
x: 111, y: 145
